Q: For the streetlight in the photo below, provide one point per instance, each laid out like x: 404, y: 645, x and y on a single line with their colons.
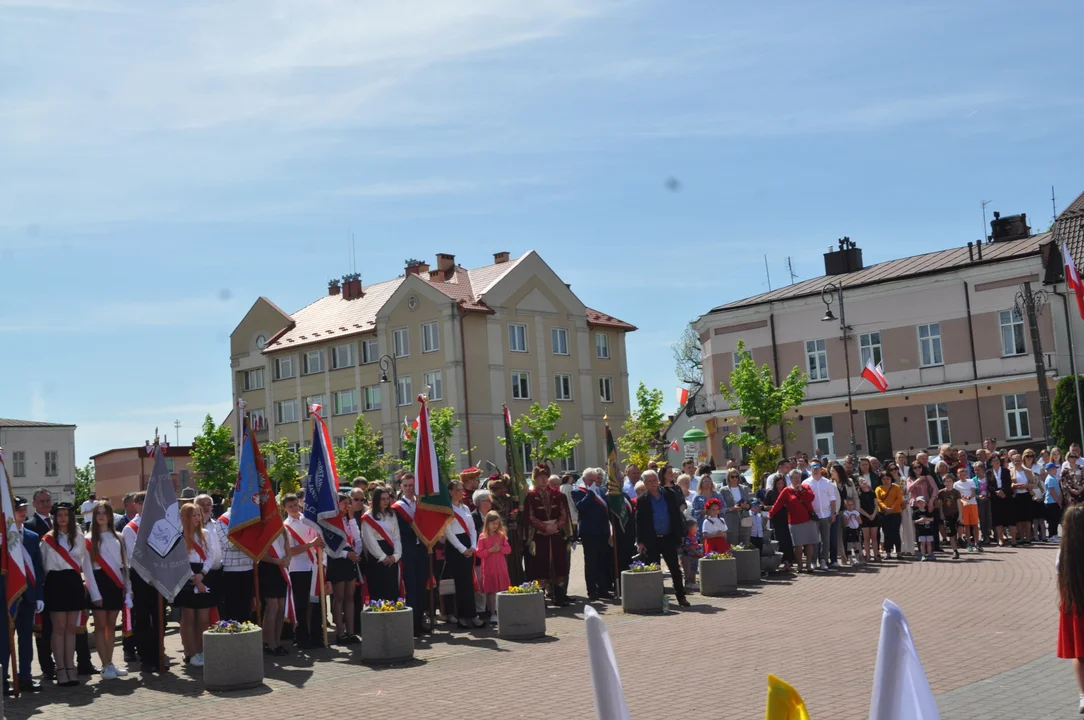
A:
x: 388, y: 362
x: 828, y: 295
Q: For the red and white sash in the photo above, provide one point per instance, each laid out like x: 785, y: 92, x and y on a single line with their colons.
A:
x: 371, y: 522
x: 134, y: 525
x: 114, y: 574
x: 290, y: 612
x: 405, y: 511
x: 463, y: 524
x: 314, y: 594
x: 51, y: 541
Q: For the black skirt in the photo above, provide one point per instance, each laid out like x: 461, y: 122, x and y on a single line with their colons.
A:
x: 272, y: 582
x: 341, y: 570
x: 1001, y: 511
x: 64, y: 591
x: 383, y: 580
x: 1021, y: 505
x: 189, y: 598
x: 112, y: 596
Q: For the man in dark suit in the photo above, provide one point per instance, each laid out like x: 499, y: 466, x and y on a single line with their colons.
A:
x: 659, y: 530
x: 594, y: 534
x: 32, y: 601
x: 415, y: 558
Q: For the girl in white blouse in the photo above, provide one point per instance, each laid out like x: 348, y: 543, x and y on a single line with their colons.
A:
x: 342, y: 571
x: 111, y: 575
x: 195, y: 599
x: 380, y: 538
x: 66, y: 562
x: 460, y: 543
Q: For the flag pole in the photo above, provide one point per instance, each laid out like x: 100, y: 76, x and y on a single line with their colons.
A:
x: 161, y: 633
x: 256, y: 589
x: 323, y: 591
x: 617, y: 564
x: 1072, y: 354
x: 14, y: 659
x: 429, y: 590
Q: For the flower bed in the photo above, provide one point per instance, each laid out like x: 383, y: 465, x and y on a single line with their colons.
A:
x: 641, y: 589
x: 639, y: 567
x: 524, y: 589
x: 521, y: 612
x: 718, y: 574
x: 387, y: 632
x: 380, y: 606
x: 232, y: 655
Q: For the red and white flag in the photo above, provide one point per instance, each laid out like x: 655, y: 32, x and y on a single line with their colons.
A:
x: 674, y: 446
x: 682, y: 395
x: 12, y: 554
x: 876, y: 375
x: 1072, y: 279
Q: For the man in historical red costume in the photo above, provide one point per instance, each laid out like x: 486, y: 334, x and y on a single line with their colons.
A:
x: 548, y: 527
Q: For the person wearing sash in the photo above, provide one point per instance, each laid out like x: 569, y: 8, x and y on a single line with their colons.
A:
x: 31, y: 603
x: 213, y: 581
x: 144, y: 597
x: 414, y: 561
x: 342, y: 574
x: 110, y: 564
x: 65, y: 563
x: 238, y: 583
x: 195, y: 598
x: 382, y: 543
x: 595, y: 534
x: 304, y: 540
x: 546, y: 525
x: 460, y: 543
x: 275, y: 592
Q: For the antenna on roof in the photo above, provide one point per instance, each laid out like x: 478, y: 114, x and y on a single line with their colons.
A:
x: 1053, y: 204
x: 985, y: 237
x: 767, y: 274
x: 790, y: 269
x: 353, y: 253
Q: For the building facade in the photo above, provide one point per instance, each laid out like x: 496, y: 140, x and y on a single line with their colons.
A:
x: 124, y: 470
x: 511, y: 332
x: 39, y: 455
x: 955, y: 341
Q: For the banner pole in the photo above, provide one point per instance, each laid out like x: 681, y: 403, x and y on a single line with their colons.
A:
x: 429, y: 590
x: 617, y: 564
x: 323, y: 591
x: 256, y: 590
x: 14, y: 658
x: 161, y: 633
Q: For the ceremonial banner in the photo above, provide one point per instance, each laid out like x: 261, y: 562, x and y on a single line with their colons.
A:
x: 609, y: 697
x: 11, y: 545
x: 900, y: 688
x: 160, y: 556
x: 434, y: 510
x: 615, y: 496
x: 322, y: 486
x: 519, y: 488
x: 255, y: 520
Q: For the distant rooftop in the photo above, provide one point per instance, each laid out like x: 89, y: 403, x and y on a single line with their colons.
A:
x: 7, y: 422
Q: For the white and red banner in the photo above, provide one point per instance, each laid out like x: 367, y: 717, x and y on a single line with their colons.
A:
x: 1072, y: 279
x: 875, y: 374
x: 682, y: 396
x: 11, y: 551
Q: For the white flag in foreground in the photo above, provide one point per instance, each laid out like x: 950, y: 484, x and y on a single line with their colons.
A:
x: 900, y: 688
x: 609, y: 698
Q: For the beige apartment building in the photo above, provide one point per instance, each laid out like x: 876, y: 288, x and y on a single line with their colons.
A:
x: 957, y: 355
x: 508, y: 332
x: 39, y: 455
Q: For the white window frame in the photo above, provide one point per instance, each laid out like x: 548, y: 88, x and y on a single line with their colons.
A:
x: 372, y: 398
x: 568, y: 464
x: 253, y: 379
x: 941, y: 419
x: 400, y: 342
x: 434, y: 380
x: 343, y: 409
x: 430, y: 337
x: 602, y: 346
x: 280, y: 406
x: 606, y: 389
x: 52, y: 465
x: 562, y: 387
x: 312, y: 362
x: 556, y: 335
x: 18, y: 463
x: 520, y: 330
x: 1018, y: 412
x: 816, y: 360
x: 870, y: 346
x: 370, y: 352
x: 521, y: 379
x: 170, y: 464
x: 255, y: 415
x: 1013, y: 322
x: 337, y: 363
x: 933, y: 340
x: 735, y: 359
x: 829, y: 436
x: 289, y: 362
x: 525, y: 455
x: 404, y: 391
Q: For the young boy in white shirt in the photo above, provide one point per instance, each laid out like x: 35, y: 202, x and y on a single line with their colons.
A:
x: 969, y: 509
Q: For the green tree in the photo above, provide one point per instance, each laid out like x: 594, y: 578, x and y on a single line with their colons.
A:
x: 688, y: 360
x: 283, y: 465
x: 640, y: 443
x: 534, y: 428
x: 762, y: 404
x: 213, y: 459
x: 361, y: 454
x: 1064, y: 421
x: 442, y: 423
x: 84, y: 483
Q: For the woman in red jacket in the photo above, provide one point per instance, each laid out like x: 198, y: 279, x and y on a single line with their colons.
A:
x: 798, y: 501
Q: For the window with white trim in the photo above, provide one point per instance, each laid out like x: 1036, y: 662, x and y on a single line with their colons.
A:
x: 606, y: 389
x: 400, y: 338
x: 525, y: 456
x: 18, y: 463
x: 342, y: 356
x: 937, y: 424
x: 602, y: 346
x: 430, y: 337
x: 562, y: 386
x: 284, y: 368
x: 929, y: 346
x: 735, y: 359
x: 816, y: 355
x: 370, y: 352
x: 824, y: 439
x: 257, y: 419
x: 405, y: 391
x: 1011, y: 324
x: 254, y: 379
x: 312, y: 362
x: 517, y: 337
x: 50, y: 463
x: 286, y: 411
x: 371, y: 398
x: 869, y: 346
x: 170, y: 467
x: 521, y: 385
x: 435, y: 382
x: 568, y: 464
x: 1017, y: 422
x: 346, y: 402
x: 559, y: 339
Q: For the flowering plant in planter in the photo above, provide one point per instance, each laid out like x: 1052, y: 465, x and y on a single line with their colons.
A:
x: 638, y: 566
x: 231, y: 627
x: 527, y: 587
x: 385, y: 605
x: 742, y: 546
x: 719, y: 556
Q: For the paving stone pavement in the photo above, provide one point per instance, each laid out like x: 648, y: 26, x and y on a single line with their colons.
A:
x: 985, y: 627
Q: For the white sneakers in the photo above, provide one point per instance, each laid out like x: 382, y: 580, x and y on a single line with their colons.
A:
x: 493, y: 618
x: 196, y: 660
x: 109, y: 673
x: 120, y: 671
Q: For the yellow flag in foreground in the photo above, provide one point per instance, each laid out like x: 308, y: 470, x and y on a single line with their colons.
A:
x: 784, y: 702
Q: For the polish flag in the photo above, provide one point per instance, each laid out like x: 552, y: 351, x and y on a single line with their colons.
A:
x: 682, y: 395
x: 876, y: 375
x: 1073, y: 280
x: 674, y: 446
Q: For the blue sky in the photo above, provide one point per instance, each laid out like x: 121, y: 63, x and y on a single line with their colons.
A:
x: 162, y: 165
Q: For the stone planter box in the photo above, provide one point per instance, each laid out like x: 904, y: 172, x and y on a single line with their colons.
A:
x: 641, y: 592
x: 718, y: 577
x: 387, y: 637
x: 770, y: 548
x: 771, y: 563
x: 521, y: 616
x: 233, y: 661
x: 748, y: 565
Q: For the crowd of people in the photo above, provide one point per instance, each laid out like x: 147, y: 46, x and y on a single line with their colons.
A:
x: 821, y: 514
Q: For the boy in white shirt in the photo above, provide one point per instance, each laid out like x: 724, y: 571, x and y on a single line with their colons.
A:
x: 969, y: 504
x: 852, y: 543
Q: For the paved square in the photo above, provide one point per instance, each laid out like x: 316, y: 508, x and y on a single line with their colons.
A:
x: 985, y: 628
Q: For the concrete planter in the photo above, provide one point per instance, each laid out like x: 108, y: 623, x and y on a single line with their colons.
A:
x: 718, y: 577
x: 771, y: 563
x: 521, y: 616
x: 641, y: 592
x: 233, y: 661
x: 771, y: 547
x: 387, y: 637
x: 748, y: 565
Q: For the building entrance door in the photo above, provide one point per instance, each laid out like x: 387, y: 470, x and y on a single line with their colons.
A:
x: 878, y: 434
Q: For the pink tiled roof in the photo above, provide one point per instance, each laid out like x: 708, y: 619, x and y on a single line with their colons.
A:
x: 595, y: 318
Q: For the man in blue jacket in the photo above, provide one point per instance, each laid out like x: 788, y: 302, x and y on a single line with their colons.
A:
x: 594, y: 534
x: 31, y: 602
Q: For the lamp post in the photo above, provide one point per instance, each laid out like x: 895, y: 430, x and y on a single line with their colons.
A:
x: 388, y: 362
x: 828, y: 295
x: 1030, y: 304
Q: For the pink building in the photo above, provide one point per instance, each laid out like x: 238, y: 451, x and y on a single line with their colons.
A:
x: 125, y: 470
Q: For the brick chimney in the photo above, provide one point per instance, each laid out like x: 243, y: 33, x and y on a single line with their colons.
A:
x: 445, y: 262
x: 847, y: 259
x: 333, y: 287
x: 417, y: 267
x: 1011, y: 227
x: 500, y: 257
x: 351, y: 287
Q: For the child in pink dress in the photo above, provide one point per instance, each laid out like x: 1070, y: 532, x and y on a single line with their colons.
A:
x: 492, y: 547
